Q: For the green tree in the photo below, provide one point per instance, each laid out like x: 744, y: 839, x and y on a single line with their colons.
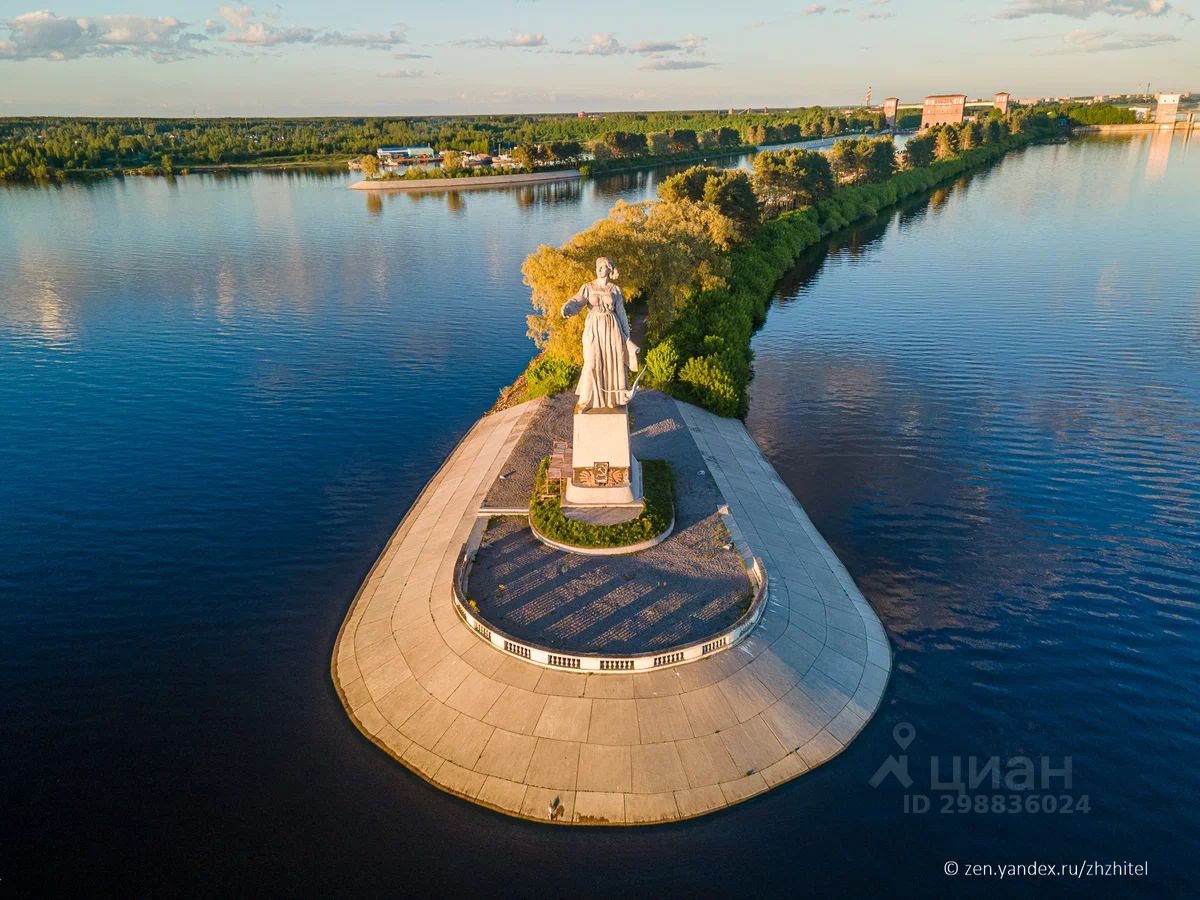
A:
x: 970, y: 135
x: 563, y: 151
x: 623, y: 144
x: 683, y: 140
x: 787, y: 179
x: 945, y: 143
x: 370, y: 165
x: 666, y: 252
x: 451, y: 161
x: 728, y: 137
x: 659, y: 143
x: 524, y: 156
x: 918, y: 152
x: 686, y: 185
x: 864, y: 159
x: 880, y: 158
x: 731, y: 192
x: 846, y: 162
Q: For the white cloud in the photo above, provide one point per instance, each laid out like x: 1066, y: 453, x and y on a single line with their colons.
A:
x: 814, y: 10
x: 676, y: 53
x: 523, y: 39
x: 402, y: 73
x: 672, y: 64
x: 247, y: 28
x: 1083, y: 9
x: 45, y: 35
x: 868, y: 16
x: 653, y: 47
x: 527, y: 39
x: 237, y: 16
x: 603, y: 44
x: 692, y: 43
x: 1102, y: 40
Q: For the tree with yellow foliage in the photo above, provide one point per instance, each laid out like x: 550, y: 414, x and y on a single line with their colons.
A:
x: 665, y: 252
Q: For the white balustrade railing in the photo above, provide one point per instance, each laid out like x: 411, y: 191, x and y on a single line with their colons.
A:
x: 608, y: 663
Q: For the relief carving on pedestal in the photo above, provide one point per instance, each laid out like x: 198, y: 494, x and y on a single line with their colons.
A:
x: 601, y: 475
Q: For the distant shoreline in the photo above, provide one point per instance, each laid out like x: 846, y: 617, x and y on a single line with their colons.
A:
x: 1132, y: 127
x: 427, y: 184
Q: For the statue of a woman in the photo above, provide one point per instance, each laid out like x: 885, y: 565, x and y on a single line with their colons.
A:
x: 608, y: 353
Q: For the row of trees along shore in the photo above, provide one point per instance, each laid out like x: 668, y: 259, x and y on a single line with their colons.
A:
x: 43, y: 148
x: 705, y: 256
x: 48, y: 148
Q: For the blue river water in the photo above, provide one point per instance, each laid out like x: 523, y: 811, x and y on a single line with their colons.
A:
x: 218, y: 396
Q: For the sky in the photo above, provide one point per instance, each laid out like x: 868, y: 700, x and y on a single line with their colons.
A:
x: 193, y: 57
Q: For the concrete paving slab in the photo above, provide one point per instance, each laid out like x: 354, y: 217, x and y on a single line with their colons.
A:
x: 604, y: 768
x: 646, y: 809
x: 516, y: 710
x: 614, y: 722
x: 555, y: 764
x: 592, y: 808
x: 708, y: 711
x: 657, y: 768
x: 506, y: 755
x: 565, y: 718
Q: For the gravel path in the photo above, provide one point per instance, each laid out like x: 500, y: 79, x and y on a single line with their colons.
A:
x: 552, y: 422
x: 678, y: 592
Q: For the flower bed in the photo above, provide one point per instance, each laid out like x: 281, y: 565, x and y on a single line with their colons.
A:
x: 658, y: 513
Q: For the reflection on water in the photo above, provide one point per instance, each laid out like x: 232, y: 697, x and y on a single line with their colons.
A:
x: 1160, y: 152
x: 39, y: 310
x: 991, y: 408
x: 218, y: 394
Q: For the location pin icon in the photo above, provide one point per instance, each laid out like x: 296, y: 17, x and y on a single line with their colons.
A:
x: 904, y: 734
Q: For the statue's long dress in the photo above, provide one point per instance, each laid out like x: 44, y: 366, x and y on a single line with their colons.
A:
x: 605, y: 377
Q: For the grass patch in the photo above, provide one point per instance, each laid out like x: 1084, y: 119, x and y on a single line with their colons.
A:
x: 658, y: 485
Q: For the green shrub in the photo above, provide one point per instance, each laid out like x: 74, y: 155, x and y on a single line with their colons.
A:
x: 661, y: 363
x: 612, y: 165
x: 705, y: 381
x: 549, y: 375
x: 658, y: 486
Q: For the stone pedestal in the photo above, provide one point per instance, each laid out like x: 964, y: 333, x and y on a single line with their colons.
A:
x: 604, y: 471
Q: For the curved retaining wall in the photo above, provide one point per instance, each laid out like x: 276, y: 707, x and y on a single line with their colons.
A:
x: 602, y: 551
x: 615, y: 663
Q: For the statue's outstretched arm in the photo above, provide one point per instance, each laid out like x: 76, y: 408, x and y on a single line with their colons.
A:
x: 576, y: 303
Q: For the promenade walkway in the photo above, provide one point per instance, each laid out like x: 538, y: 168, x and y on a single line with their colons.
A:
x: 610, y: 748
x: 466, y: 183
